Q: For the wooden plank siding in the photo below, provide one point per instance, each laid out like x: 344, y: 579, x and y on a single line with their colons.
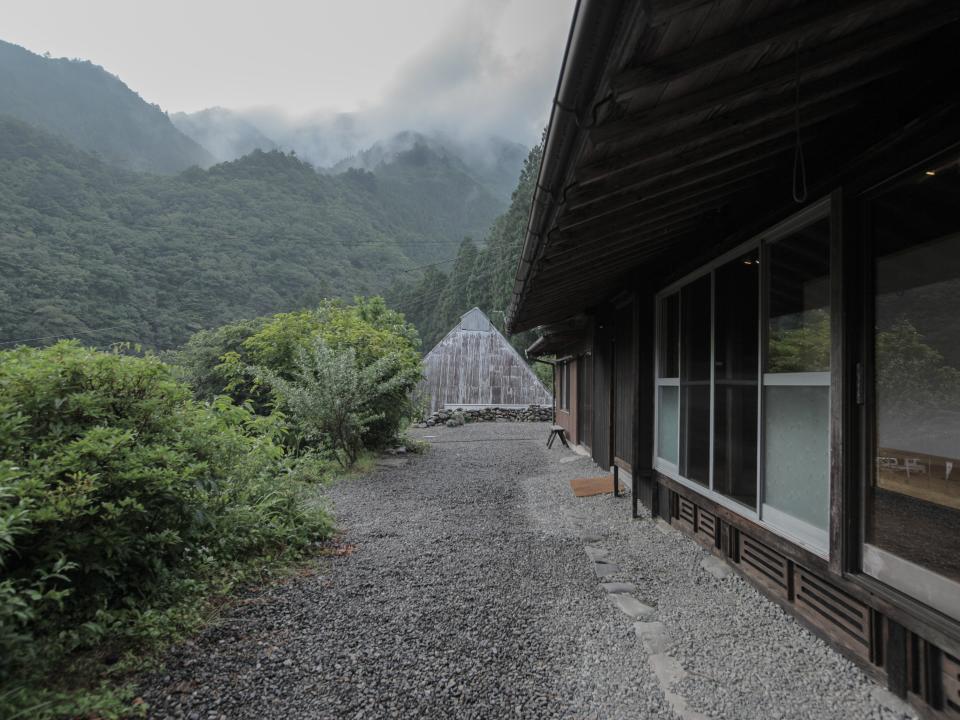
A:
x: 567, y: 418
x: 625, y: 387
x: 603, y: 388
x: 475, y: 365
x: 585, y: 400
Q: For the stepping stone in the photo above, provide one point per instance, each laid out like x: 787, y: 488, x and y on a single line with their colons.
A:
x: 597, y: 554
x: 592, y: 536
x: 716, y: 567
x: 569, y: 459
x: 602, y: 570
x: 653, y: 635
x: 618, y: 587
x: 664, y: 527
x: 631, y: 606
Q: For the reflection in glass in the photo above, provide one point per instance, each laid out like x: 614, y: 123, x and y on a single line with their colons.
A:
x: 913, y: 513
x: 799, y: 328
x: 736, y: 362
x: 668, y: 427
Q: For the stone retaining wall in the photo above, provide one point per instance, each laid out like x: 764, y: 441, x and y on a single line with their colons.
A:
x: 453, y: 418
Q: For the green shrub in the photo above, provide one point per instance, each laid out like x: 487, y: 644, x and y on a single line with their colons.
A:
x: 232, y: 358
x: 120, y: 495
x: 335, y: 400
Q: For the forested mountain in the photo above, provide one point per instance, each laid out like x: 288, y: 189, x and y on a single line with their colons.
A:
x: 340, y: 142
x: 94, y: 110
x: 494, y: 162
x: 479, y: 277
x: 85, y: 245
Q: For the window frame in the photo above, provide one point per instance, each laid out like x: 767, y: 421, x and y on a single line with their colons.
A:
x: 869, y: 564
x: 816, y: 211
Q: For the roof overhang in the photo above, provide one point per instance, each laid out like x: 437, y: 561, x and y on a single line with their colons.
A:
x: 675, y: 124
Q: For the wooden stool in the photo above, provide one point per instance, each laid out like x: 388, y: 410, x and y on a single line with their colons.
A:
x: 557, y: 432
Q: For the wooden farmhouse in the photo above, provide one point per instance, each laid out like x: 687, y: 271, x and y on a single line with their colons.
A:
x: 744, y: 249
x: 476, y: 367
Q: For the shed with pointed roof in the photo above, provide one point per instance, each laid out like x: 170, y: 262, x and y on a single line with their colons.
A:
x: 474, y: 366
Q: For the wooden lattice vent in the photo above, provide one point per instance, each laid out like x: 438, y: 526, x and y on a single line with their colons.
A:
x: 706, y: 527
x: 844, y: 619
x: 687, y: 513
x: 765, y: 565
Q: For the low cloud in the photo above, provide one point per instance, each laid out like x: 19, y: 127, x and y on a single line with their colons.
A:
x: 477, y: 79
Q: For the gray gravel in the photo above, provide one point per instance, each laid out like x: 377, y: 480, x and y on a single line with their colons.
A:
x: 470, y: 594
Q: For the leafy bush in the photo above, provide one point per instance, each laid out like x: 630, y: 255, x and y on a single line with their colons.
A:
x: 236, y: 358
x: 335, y: 400
x: 120, y: 495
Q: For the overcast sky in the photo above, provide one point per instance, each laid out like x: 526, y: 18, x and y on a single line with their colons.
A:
x: 490, y: 65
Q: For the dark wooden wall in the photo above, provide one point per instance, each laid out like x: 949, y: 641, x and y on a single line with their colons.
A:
x: 567, y: 419
x: 602, y: 387
x: 625, y: 382
x: 645, y: 397
x: 585, y: 399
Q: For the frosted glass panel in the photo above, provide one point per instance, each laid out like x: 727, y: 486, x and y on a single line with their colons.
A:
x: 797, y: 459
x: 668, y: 421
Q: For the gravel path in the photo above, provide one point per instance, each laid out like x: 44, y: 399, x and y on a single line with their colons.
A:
x: 470, y: 595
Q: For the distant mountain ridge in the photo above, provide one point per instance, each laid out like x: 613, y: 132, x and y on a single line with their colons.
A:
x: 336, y: 144
x: 494, y: 162
x: 94, y: 110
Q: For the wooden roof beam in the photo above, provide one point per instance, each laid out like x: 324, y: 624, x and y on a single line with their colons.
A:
x: 615, y: 183
x: 617, y: 232
x: 739, y: 120
x: 786, y: 26
x: 655, y: 238
x: 681, y: 177
x: 816, y: 62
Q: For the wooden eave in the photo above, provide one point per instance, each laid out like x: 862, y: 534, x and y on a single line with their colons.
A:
x: 687, y: 128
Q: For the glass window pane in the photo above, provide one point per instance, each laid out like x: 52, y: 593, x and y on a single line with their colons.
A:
x: 913, y: 511
x: 695, y: 321
x: 668, y: 417
x: 799, y: 326
x: 668, y: 345
x: 735, y: 449
x: 797, y: 461
x: 695, y: 433
x: 695, y: 381
x: 736, y: 366
x: 736, y: 351
x: 797, y: 417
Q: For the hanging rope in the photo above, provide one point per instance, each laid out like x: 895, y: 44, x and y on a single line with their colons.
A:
x: 799, y: 163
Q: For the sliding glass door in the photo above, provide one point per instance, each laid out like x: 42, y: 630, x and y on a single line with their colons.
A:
x: 743, y: 389
x: 912, y: 528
